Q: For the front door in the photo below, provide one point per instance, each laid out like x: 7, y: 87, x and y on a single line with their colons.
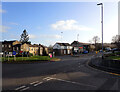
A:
x: 64, y: 51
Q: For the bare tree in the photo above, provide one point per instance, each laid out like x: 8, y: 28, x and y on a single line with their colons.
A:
x: 96, y: 40
x: 116, y: 40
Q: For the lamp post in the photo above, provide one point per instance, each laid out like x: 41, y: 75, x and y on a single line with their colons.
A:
x: 101, y: 4
x: 77, y: 37
x: 61, y: 36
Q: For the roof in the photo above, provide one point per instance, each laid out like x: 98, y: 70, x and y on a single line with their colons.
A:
x: 76, y: 43
x: 4, y: 42
x: 34, y: 45
x: 64, y: 44
x: 17, y: 45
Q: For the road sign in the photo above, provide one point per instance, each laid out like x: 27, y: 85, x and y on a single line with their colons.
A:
x: 14, y: 53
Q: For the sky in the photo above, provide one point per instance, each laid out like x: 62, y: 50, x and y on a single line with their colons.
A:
x: 51, y: 22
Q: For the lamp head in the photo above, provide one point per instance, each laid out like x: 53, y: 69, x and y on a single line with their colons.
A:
x: 100, y: 4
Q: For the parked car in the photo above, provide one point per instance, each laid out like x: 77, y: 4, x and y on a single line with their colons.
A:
x: 115, y: 49
x: 107, y: 49
x: 85, y: 52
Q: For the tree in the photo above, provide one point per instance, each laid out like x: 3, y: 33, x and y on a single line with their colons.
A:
x: 116, y: 40
x: 96, y: 40
x: 24, y: 37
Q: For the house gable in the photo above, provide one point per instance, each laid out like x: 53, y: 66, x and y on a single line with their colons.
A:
x: 56, y: 46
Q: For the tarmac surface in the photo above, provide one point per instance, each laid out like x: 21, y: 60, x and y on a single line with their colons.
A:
x: 71, y: 73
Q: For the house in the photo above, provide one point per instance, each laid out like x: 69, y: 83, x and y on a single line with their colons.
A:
x: 34, y: 49
x: 7, y: 46
x: 62, y: 49
x: 79, y: 47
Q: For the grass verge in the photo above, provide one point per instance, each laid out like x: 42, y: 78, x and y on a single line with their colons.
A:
x: 28, y: 59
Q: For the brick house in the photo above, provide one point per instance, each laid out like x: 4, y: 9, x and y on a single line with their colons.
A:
x: 62, y: 49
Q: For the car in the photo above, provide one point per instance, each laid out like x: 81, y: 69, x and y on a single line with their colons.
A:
x: 107, y: 49
x: 85, y: 52
x: 115, y: 49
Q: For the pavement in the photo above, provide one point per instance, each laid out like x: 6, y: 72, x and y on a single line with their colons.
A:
x: 71, y: 73
x: 105, y: 65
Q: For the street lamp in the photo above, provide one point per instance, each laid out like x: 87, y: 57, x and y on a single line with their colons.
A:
x: 61, y: 36
x: 77, y: 37
x: 101, y: 24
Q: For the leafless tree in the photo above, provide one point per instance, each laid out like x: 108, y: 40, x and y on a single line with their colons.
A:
x: 116, y: 40
x: 96, y: 40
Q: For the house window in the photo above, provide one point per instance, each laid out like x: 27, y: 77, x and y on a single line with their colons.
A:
x: 2, y: 45
x: 68, y: 51
x: 17, y: 48
x: 27, y: 48
x: 64, y: 51
x: 9, y: 46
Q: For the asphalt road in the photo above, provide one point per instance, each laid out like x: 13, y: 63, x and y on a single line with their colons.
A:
x: 71, y: 73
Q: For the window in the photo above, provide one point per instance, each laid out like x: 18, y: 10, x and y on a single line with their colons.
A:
x: 2, y: 45
x: 9, y: 46
x: 68, y: 51
x: 17, y: 48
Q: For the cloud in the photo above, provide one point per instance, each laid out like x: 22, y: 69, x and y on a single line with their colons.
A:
x: 31, y: 36
x: 51, y: 36
x: 2, y: 11
x: 69, y: 25
x: 4, y: 28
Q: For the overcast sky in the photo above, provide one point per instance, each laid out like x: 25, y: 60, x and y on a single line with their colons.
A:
x: 44, y: 21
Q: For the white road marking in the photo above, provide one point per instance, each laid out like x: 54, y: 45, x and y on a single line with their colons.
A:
x: 74, y: 82
x: 20, y: 87
x: 47, y: 78
x: 34, y: 82
x: 25, y: 89
x: 38, y: 83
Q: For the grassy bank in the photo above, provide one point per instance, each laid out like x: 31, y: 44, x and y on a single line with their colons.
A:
x: 33, y: 58
x: 114, y: 57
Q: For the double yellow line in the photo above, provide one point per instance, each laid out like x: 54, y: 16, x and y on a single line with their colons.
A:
x: 115, y: 74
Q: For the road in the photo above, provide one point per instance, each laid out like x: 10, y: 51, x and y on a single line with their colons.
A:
x: 71, y: 73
